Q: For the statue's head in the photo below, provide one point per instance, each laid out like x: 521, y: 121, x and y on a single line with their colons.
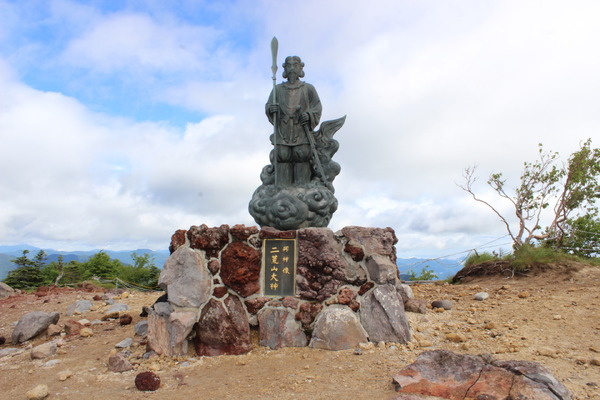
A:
x: 293, y: 64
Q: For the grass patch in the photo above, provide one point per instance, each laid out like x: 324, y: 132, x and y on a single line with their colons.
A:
x: 477, y: 258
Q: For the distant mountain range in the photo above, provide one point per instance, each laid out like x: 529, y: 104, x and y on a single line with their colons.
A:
x: 444, y: 268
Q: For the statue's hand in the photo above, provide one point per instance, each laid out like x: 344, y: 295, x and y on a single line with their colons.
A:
x: 274, y: 108
x: 304, y: 118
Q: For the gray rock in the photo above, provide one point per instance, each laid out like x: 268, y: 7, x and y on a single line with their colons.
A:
x: 416, y: 306
x: 141, y: 328
x: 118, y: 363
x: 5, y: 290
x: 337, y: 328
x: 44, y: 351
x: 32, y: 324
x: 382, y: 315
x: 381, y: 269
x: 79, y: 307
x: 279, y: 328
x: 167, y: 333
x: 117, y: 307
x: 123, y: 344
x: 10, y: 351
x: 405, y: 291
x: 376, y: 241
x: 186, y: 278
x: 481, y: 296
x: 445, y: 304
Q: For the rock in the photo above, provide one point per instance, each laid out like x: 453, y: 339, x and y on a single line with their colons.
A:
x: 255, y: 304
x: 278, y: 328
x: 147, y: 381
x: 240, y: 268
x: 186, y: 278
x: 374, y: 241
x: 405, y: 291
x: 32, y: 324
x: 337, y: 328
x: 118, y: 363
x: 125, y: 319
x: 481, y: 296
x: 73, y: 327
x: 5, y: 290
x: 64, y: 375
x: 242, y: 232
x: 415, y: 306
x: 382, y: 315
x: 38, y: 393
x: 178, y: 239
x: 79, y: 307
x: 381, y: 269
x: 117, y: 308
x: 141, y: 328
x: 448, y: 375
x: 53, y: 330
x: 43, y: 351
x: 307, y: 313
x: 456, y: 337
x: 123, y: 344
x: 2, y: 340
x: 167, y: 332
x: 10, y: 351
x: 223, y: 328
x: 524, y: 294
x: 445, y: 304
x: 86, y: 332
x: 112, y: 315
x: 211, y: 240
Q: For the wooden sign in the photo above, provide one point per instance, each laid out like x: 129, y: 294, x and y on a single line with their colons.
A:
x: 279, y: 267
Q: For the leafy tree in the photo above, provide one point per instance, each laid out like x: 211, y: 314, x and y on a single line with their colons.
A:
x: 143, y: 271
x: 100, y: 265
x: 581, y: 236
x: 28, y: 273
x: 547, y: 191
x: 425, y: 275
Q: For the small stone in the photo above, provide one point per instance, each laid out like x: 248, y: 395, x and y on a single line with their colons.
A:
x: 86, y: 332
x: 52, y: 330
x: 2, y: 340
x: 557, y: 317
x: 366, y: 345
x: 358, y: 351
x: 37, y: 393
x: 547, y: 352
x: 445, y: 304
x: 125, y: 319
x: 425, y: 343
x: 124, y: 295
x: 595, y: 361
x: 64, y: 375
x: 489, y: 326
x: 124, y: 343
x: 481, y: 296
x: 141, y: 328
x: 43, y: 351
x: 456, y: 337
x: 118, y: 363
x: 524, y: 294
x: 147, y: 381
x: 110, y: 315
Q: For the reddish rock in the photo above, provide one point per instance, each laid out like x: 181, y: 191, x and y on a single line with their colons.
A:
x: 118, y: 363
x: 243, y: 232
x: 447, y: 375
x: 147, y: 381
x: 240, y: 268
x: 354, y: 305
x: 275, y: 303
x: 290, y: 302
x: 307, y: 313
x: 415, y: 306
x: 356, y: 251
x: 98, y: 297
x: 219, y: 291
x: 214, y: 266
x: 253, y: 305
x: 268, y: 232
x: 73, y: 328
x: 177, y: 240
x: 279, y: 329
x: 346, y: 296
x: 375, y: 241
x: 223, y: 328
x: 125, y: 319
x: 365, y: 288
x: 211, y: 240
x: 2, y: 340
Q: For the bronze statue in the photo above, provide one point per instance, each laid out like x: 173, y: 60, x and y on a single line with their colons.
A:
x: 297, y: 190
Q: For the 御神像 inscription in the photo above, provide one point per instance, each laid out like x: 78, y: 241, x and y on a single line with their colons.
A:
x: 279, y: 263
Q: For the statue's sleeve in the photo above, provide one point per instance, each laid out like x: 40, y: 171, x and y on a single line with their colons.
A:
x: 314, y: 109
x: 269, y: 102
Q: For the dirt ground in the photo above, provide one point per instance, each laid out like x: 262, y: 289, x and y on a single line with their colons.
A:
x: 553, y: 319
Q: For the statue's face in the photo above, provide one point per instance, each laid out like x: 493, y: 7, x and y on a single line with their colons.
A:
x: 292, y: 67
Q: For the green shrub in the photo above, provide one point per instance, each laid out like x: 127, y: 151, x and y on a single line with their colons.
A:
x: 476, y: 258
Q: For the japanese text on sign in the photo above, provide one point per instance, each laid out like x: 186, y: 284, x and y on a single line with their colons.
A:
x: 279, y: 263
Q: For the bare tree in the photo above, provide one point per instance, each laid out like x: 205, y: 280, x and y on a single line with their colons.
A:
x: 570, y: 189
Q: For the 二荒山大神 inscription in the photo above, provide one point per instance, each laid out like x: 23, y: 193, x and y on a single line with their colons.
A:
x: 279, y: 262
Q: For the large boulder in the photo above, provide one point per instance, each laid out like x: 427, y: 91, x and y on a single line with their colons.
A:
x: 375, y: 241
x: 383, y: 317
x: 382, y: 270
x: 79, y: 307
x: 223, y: 328
x: 447, y: 375
x: 5, y: 290
x: 168, y: 330
x: 186, y: 278
x: 337, y: 328
x: 32, y: 324
x: 279, y: 328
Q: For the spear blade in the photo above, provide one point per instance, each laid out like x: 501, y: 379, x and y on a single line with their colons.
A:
x: 274, y: 49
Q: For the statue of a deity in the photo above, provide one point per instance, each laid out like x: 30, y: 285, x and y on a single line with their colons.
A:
x: 297, y: 190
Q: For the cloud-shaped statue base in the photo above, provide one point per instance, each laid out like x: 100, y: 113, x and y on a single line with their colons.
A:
x: 293, y: 207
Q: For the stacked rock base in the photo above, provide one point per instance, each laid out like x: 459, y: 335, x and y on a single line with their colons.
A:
x: 347, y: 292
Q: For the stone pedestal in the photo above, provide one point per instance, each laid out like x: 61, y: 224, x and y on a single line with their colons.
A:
x: 347, y: 291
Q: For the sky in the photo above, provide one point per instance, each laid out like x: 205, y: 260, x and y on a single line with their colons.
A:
x: 121, y: 122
